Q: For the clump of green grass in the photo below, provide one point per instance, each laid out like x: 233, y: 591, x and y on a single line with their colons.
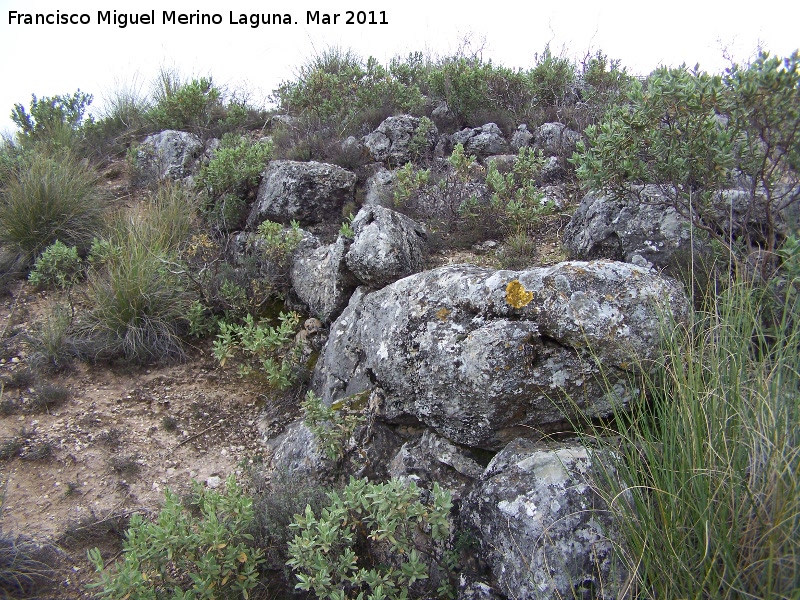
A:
x: 137, y: 291
x: 705, y: 482
x: 52, y: 197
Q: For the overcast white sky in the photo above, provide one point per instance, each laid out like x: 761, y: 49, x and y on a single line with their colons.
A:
x: 58, y: 59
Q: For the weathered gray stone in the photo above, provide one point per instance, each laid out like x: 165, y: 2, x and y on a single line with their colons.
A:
x: 366, y: 453
x: 387, y: 246
x: 556, y: 139
x: 543, y: 530
x: 169, y: 154
x: 639, y: 225
x: 308, y: 192
x: 522, y: 138
x: 434, y: 459
x: 379, y: 189
x: 320, y: 278
x: 443, y: 116
x: 297, y: 453
x: 483, y: 141
x: 393, y: 140
x: 449, y: 349
x: 552, y: 171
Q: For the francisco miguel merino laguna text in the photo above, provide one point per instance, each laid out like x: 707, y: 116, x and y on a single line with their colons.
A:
x: 171, y: 17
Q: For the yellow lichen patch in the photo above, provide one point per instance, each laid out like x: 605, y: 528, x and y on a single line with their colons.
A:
x: 516, y: 294
x: 443, y: 313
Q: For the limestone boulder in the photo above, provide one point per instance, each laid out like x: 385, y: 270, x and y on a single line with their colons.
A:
x: 481, y: 142
x: 168, y: 155
x: 320, y: 277
x: 556, y: 139
x: 543, y: 530
x: 308, y: 192
x: 484, y: 356
x: 387, y: 246
x: 401, y: 139
x: 639, y: 228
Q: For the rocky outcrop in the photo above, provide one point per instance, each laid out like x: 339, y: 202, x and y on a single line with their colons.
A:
x: 387, y: 246
x: 485, y: 356
x: 320, y: 278
x: 481, y: 141
x: 639, y: 228
x: 556, y: 139
x: 522, y: 138
x: 433, y: 459
x: 379, y: 188
x: 542, y: 529
x: 168, y: 155
x: 308, y: 192
x: 401, y: 139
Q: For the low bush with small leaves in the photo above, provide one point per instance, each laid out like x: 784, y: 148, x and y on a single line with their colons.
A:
x: 191, y: 105
x: 236, y: 166
x: 57, y: 267
x: 186, y: 555
x: 332, y: 426
x: 53, y: 121
x: 262, y: 348
x: 516, y: 201
x: 374, y: 541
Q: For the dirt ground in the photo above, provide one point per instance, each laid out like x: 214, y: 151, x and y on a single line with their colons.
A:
x: 114, y: 437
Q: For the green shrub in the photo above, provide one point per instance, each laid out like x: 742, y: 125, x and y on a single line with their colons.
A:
x: 472, y: 88
x: 341, y: 90
x: 408, y: 181
x: 254, y: 285
x: 185, y: 105
x: 52, y: 120
x: 236, y: 166
x: 695, y: 134
x: 703, y: 481
x: 551, y: 78
x: 58, y: 266
x: 183, y: 555
x: 332, y: 426
x: 516, y: 201
x: 374, y: 540
x: 260, y: 347
x: 51, y: 198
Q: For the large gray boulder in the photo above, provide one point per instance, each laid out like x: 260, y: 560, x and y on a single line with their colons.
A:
x: 308, y: 192
x: 543, y: 530
x: 556, y: 139
x: 387, y: 246
x: 484, y: 356
x: 481, y: 142
x: 400, y: 139
x: 168, y: 155
x: 320, y: 278
x: 639, y: 228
